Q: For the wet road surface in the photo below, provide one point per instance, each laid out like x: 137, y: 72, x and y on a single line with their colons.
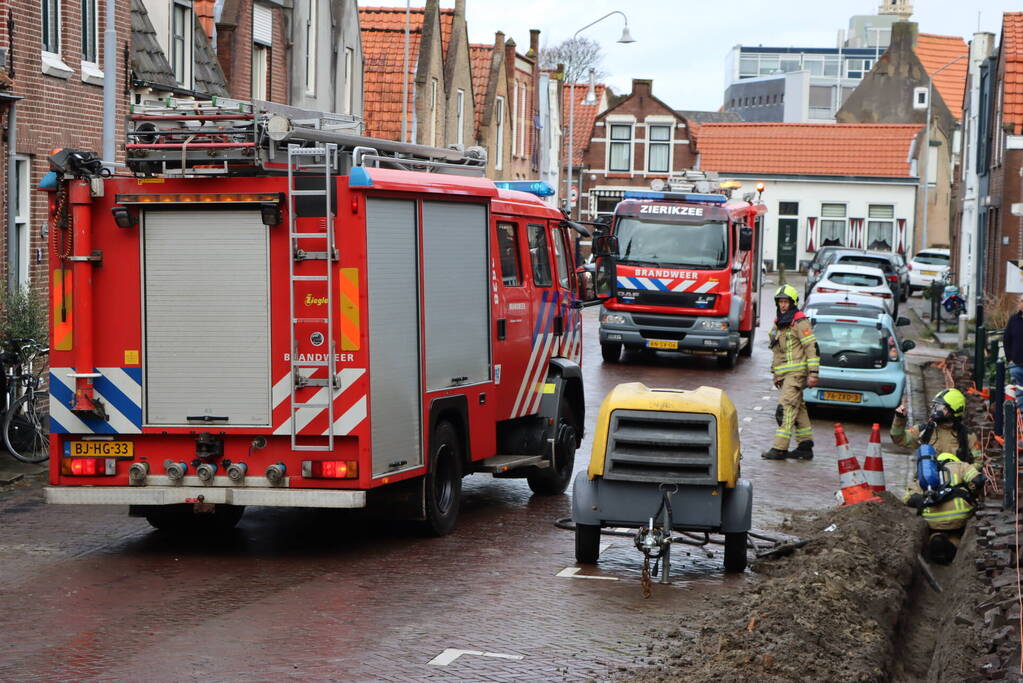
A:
x: 90, y: 594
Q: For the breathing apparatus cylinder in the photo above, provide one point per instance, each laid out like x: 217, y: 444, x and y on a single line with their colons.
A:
x: 928, y: 474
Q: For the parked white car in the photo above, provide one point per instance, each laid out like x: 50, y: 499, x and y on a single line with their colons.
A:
x: 851, y: 300
x: 927, y: 266
x: 862, y: 280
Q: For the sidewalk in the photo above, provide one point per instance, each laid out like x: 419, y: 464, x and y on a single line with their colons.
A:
x: 12, y: 471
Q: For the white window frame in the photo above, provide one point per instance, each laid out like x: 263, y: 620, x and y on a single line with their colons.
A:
x: 51, y: 7
x: 91, y: 71
x: 932, y: 166
x: 349, y: 102
x: 890, y: 222
x: 311, y: 35
x: 515, y: 118
x: 260, y: 65
x: 844, y: 220
x: 433, y: 112
x: 669, y: 143
x: 612, y: 141
x: 50, y: 62
x: 499, y: 114
x: 460, y: 117
x: 522, y: 117
x: 23, y: 217
x: 185, y: 76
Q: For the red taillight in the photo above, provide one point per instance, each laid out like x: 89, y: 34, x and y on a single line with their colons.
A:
x: 827, y: 290
x: 887, y: 388
x: 892, y: 278
x: 885, y: 295
x: 893, y: 354
x: 909, y: 266
x: 846, y: 320
x: 330, y: 469
x: 89, y: 467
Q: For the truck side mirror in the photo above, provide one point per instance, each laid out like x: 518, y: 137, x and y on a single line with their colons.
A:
x: 606, y: 278
x: 745, y: 238
x: 605, y: 245
x: 584, y: 285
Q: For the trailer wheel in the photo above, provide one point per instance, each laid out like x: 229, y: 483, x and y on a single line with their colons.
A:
x: 443, y: 480
x: 747, y: 350
x: 182, y: 518
x: 554, y: 479
x: 735, y: 552
x: 587, y: 543
x: 610, y: 351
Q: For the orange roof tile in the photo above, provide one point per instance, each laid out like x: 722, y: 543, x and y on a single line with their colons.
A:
x: 383, y: 31
x: 480, y: 59
x: 585, y: 115
x: 834, y: 149
x: 1012, y: 53
x: 936, y: 52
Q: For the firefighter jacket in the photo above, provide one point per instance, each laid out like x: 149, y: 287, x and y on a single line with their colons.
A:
x: 795, y: 348
x: 943, y: 437
x: 955, y: 502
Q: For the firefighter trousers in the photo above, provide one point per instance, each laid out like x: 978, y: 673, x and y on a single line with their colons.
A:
x: 794, y: 418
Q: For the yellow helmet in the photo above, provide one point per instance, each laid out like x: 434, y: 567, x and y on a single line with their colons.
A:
x: 954, y: 399
x: 787, y: 292
x: 948, y: 457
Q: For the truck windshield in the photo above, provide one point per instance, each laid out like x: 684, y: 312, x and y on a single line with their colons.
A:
x: 694, y: 245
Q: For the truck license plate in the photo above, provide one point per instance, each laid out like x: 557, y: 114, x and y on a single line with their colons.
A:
x: 662, y: 344
x: 103, y: 449
x: 846, y: 397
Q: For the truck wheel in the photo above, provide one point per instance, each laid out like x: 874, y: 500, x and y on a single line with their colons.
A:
x: 181, y: 519
x: 747, y: 350
x: 587, y: 543
x: 727, y: 361
x: 735, y: 552
x: 443, y: 480
x: 554, y: 479
x: 610, y: 351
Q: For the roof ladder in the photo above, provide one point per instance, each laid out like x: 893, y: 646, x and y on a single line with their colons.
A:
x: 311, y: 273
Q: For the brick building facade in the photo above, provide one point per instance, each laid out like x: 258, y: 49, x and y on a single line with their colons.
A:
x: 252, y: 47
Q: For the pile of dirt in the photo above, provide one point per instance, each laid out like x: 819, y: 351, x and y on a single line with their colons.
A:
x: 827, y: 611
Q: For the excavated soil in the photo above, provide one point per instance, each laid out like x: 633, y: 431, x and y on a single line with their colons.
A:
x: 828, y: 611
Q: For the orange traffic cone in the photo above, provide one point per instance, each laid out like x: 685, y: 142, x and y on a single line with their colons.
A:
x: 850, y: 476
x: 873, y: 464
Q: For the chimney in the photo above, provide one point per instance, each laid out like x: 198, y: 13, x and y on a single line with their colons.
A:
x: 460, y: 9
x: 499, y: 40
x: 509, y: 58
x: 903, y: 36
x: 534, y: 43
x: 204, y: 13
x: 642, y: 87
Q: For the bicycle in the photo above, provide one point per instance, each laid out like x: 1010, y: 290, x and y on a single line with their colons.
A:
x: 25, y: 425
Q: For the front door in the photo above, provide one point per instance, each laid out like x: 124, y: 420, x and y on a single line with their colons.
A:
x: 788, y: 229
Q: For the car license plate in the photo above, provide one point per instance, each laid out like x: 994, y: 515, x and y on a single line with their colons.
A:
x: 101, y: 449
x: 662, y: 344
x: 844, y: 396
x: 929, y: 273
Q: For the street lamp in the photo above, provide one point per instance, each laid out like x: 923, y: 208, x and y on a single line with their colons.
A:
x: 927, y: 148
x: 626, y: 37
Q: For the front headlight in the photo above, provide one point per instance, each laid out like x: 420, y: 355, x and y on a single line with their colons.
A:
x: 612, y: 318
x: 713, y: 324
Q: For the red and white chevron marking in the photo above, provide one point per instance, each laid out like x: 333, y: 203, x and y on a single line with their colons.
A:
x: 349, y: 404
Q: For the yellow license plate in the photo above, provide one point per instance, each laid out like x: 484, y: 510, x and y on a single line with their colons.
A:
x: 929, y: 272
x: 841, y: 396
x: 101, y: 449
x: 662, y: 344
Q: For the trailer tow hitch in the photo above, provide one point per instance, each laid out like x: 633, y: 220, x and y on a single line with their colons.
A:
x: 655, y: 541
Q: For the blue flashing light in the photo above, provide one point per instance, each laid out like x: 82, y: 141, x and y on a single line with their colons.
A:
x: 677, y: 196
x: 537, y: 187
x: 359, y: 177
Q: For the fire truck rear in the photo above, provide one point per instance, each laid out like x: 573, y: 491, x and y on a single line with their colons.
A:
x: 680, y: 272
x: 277, y: 312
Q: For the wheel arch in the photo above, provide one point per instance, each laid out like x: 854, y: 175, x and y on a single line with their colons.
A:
x: 567, y: 378
x: 453, y: 409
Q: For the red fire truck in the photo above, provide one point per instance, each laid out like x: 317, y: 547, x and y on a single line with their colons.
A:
x: 680, y: 272
x: 273, y: 311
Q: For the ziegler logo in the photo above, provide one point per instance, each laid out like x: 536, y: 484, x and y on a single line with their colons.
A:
x: 311, y: 300
x: 673, y: 210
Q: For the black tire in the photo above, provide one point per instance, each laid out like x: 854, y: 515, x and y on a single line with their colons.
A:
x: 611, y: 352
x: 735, y: 552
x: 443, y: 480
x: 182, y: 519
x: 25, y: 431
x: 587, y: 543
x: 727, y: 361
x: 553, y: 480
x: 747, y: 350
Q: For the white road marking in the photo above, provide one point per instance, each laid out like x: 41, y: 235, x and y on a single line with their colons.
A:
x: 603, y: 547
x: 451, y: 654
x: 758, y: 407
x: 747, y: 419
x: 573, y: 573
x: 766, y: 398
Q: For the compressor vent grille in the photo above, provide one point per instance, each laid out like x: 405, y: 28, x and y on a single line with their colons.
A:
x: 675, y: 448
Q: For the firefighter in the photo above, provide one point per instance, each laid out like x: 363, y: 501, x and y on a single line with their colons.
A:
x: 947, y: 509
x: 944, y: 428
x: 795, y: 366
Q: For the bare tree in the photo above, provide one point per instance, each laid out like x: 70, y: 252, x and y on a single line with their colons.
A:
x: 579, y: 55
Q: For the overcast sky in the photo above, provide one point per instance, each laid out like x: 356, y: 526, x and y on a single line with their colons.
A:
x: 682, y: 44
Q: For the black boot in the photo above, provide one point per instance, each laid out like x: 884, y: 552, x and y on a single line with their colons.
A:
x: 940, y: 549
x: 775, y: 454
x: 803, y: 451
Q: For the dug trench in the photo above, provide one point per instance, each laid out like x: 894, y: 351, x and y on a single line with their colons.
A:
x: 851, y: 604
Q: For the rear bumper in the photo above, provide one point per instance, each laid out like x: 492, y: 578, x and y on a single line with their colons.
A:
x: 172, y: 495
x: 918, y: 279
x: 868, y: 399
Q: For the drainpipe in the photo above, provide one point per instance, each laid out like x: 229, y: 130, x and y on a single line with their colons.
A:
x: 12, y: 187
x: 110, y: 85
x: 85, y: 404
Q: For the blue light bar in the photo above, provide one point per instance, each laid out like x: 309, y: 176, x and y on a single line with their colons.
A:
x: 537, y: 187
x: 677, y: 196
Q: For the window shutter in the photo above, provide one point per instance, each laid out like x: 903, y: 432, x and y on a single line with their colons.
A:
x: 833, y: 210
x: 881, y: 211
x: 262, y: 25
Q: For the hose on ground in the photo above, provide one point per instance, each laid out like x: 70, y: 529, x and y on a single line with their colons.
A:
x: 690, y: 538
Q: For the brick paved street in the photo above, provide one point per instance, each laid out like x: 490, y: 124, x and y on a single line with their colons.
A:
x: 90, y: 594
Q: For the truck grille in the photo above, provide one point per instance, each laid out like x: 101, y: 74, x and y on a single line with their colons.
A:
x: 680, y: 321
x: 674, y: 448
x: 679, y: 299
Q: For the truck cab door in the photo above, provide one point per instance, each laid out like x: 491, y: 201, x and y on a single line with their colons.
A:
x: 513, y: 311
x: 567, y: 319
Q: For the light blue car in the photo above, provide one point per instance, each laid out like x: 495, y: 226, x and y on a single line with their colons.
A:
x: 862, y: 360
